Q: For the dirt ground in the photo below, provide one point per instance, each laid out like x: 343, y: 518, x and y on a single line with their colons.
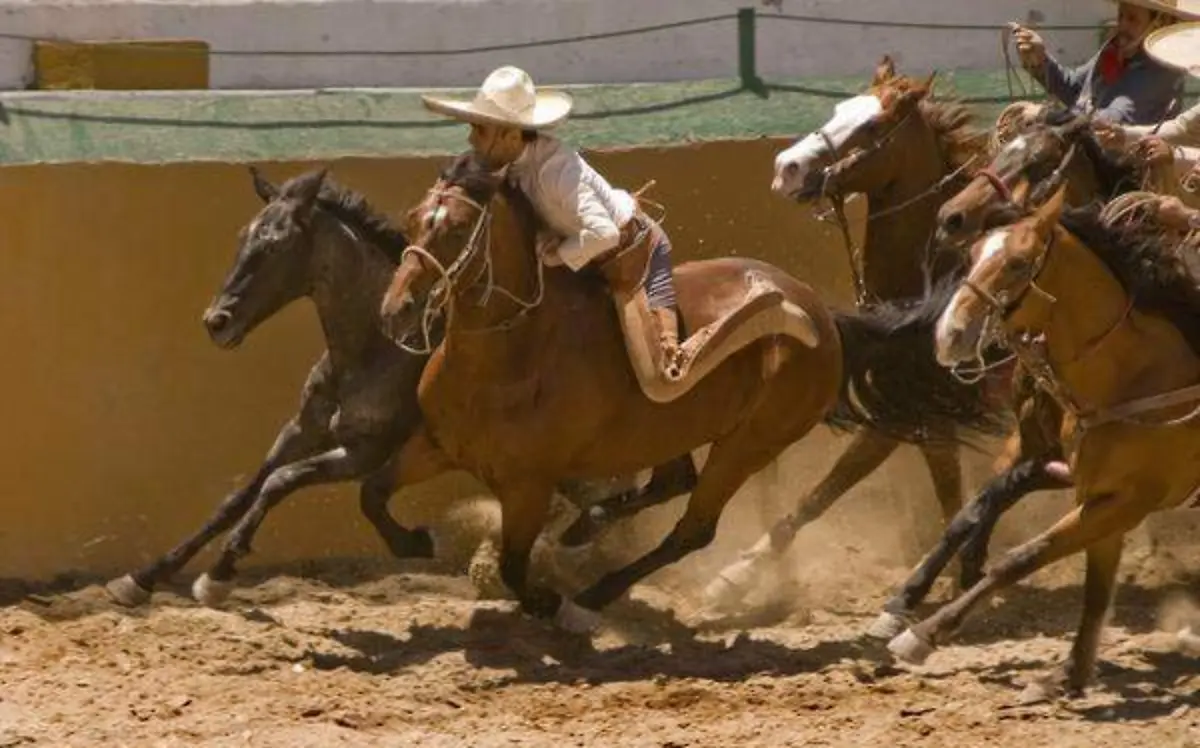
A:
x: 377, y: 653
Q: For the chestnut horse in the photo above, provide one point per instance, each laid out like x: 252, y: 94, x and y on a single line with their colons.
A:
x: 906, y: 153
x: 532, y: 383
x: 1108, y: 321
x: 1054, y: 148
x: 1057, y: 148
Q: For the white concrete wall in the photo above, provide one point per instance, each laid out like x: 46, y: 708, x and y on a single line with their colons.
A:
x: 706, y: 51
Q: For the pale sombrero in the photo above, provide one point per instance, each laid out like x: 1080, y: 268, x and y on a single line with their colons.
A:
x: 1186, y: 9
x: 507, y: 97
x: 1176, y: 46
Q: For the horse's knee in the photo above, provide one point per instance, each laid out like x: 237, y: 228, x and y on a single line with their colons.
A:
x: 688, y: 539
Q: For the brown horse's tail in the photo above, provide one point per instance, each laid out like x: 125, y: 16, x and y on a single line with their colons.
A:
x: 893, y: 384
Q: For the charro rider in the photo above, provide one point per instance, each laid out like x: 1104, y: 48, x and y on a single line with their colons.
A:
x: 587, y: 222
x: 1179, y: 47
x: 1175, y: 145
x: 1120, y: 83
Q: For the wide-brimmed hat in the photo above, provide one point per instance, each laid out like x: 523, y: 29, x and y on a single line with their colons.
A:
x: 507, y: 97
x: 1186, y: 9
x: 1176, y: 46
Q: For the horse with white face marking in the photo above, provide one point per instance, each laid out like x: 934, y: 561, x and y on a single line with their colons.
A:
x: 906, y: 153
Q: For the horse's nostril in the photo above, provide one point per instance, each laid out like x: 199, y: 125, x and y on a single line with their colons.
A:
x: 217, y: 320
x: 954, y: 222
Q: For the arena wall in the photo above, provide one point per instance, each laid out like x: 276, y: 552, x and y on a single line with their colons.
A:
x: 234, y: 27
x: 126, y: 425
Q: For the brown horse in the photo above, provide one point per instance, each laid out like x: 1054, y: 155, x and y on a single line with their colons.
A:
x: 1057, y: 148
x: 1047, y: 150
x: 1054, y: 148
x: 906, y: 153
x: 1109, y: 324
x: 532, y: 383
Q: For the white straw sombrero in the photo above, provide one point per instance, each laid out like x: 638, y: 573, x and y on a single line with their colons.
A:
x: 1185, y: 9
x: 507, y: 97
x: 1176, y: 46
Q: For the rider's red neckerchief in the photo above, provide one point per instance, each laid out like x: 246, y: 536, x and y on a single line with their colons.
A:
x: 1110, y: 64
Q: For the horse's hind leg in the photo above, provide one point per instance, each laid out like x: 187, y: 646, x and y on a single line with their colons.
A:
x: 729, y: 466
x: 970, y: 529
x: 945, y: 469
x: 669, y: 480
x: 373, y: 498
x: 868, y: 450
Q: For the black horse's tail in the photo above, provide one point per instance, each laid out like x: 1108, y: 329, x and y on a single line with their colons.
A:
x: 893, y: 384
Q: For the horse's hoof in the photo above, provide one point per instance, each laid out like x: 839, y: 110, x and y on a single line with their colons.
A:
x: 887, y: 626
x: 126, y: 591
x: 575, y: 618
x: 1041, y: 691
x: 1189, y: 640
x: 731, y: 585
x: 910, y: 648
x: 484, y: 573
x: 211, y: 592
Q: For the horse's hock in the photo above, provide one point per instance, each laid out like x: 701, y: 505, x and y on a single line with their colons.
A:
x: 128, y: 425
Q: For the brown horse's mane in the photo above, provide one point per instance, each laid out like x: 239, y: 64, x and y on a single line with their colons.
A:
x: 1149, y: 269
x: 482, y: 183
x: 954, y: 124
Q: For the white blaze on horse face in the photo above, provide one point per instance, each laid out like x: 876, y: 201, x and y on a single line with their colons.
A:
x: 793, y: 166
x: 957, y: 334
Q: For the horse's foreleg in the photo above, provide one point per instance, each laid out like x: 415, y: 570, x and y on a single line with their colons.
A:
x: 971, y: 529
x: 670, y: 480
x: 1099, y: 519
x: 523, y: 513
x: 338, y: 464
x: 1103, y: 560
x: 1028, y: 477
x: 295, y: 441
x: 866, y: 453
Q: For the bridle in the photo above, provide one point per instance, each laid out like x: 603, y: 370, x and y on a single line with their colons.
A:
x: 836, y: 198
x: 454, y: 278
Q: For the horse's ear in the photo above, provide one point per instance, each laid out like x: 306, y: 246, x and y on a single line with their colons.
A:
x: 1048, y: 214
x: 884, y: 71
x: 264, y: 189
x: 305, y: 189
x: 927, y: 86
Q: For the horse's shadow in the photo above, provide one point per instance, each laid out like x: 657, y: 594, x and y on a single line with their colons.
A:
x: 536, y: 652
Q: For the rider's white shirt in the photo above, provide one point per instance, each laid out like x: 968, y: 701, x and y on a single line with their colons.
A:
x: 572, y: 199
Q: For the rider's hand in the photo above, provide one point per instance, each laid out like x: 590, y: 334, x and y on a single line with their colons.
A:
x: 1109, y: 134
x: 1030, y: 47
x: 1172, y: 213
x: 1191, y: 180
x: 1154, y: 151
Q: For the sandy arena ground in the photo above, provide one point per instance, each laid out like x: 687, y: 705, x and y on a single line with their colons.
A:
x: 374, y: 653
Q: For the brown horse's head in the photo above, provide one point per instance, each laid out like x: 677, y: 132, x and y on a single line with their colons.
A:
x: 447, y: 224
x: 271, y: 268
x: 862, y: 147
x: 1005, y: 267
x: 1023, y: 173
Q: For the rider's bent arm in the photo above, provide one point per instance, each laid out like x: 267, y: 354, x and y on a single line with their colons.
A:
x: 580, y: 216
x: 1184, y: 130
